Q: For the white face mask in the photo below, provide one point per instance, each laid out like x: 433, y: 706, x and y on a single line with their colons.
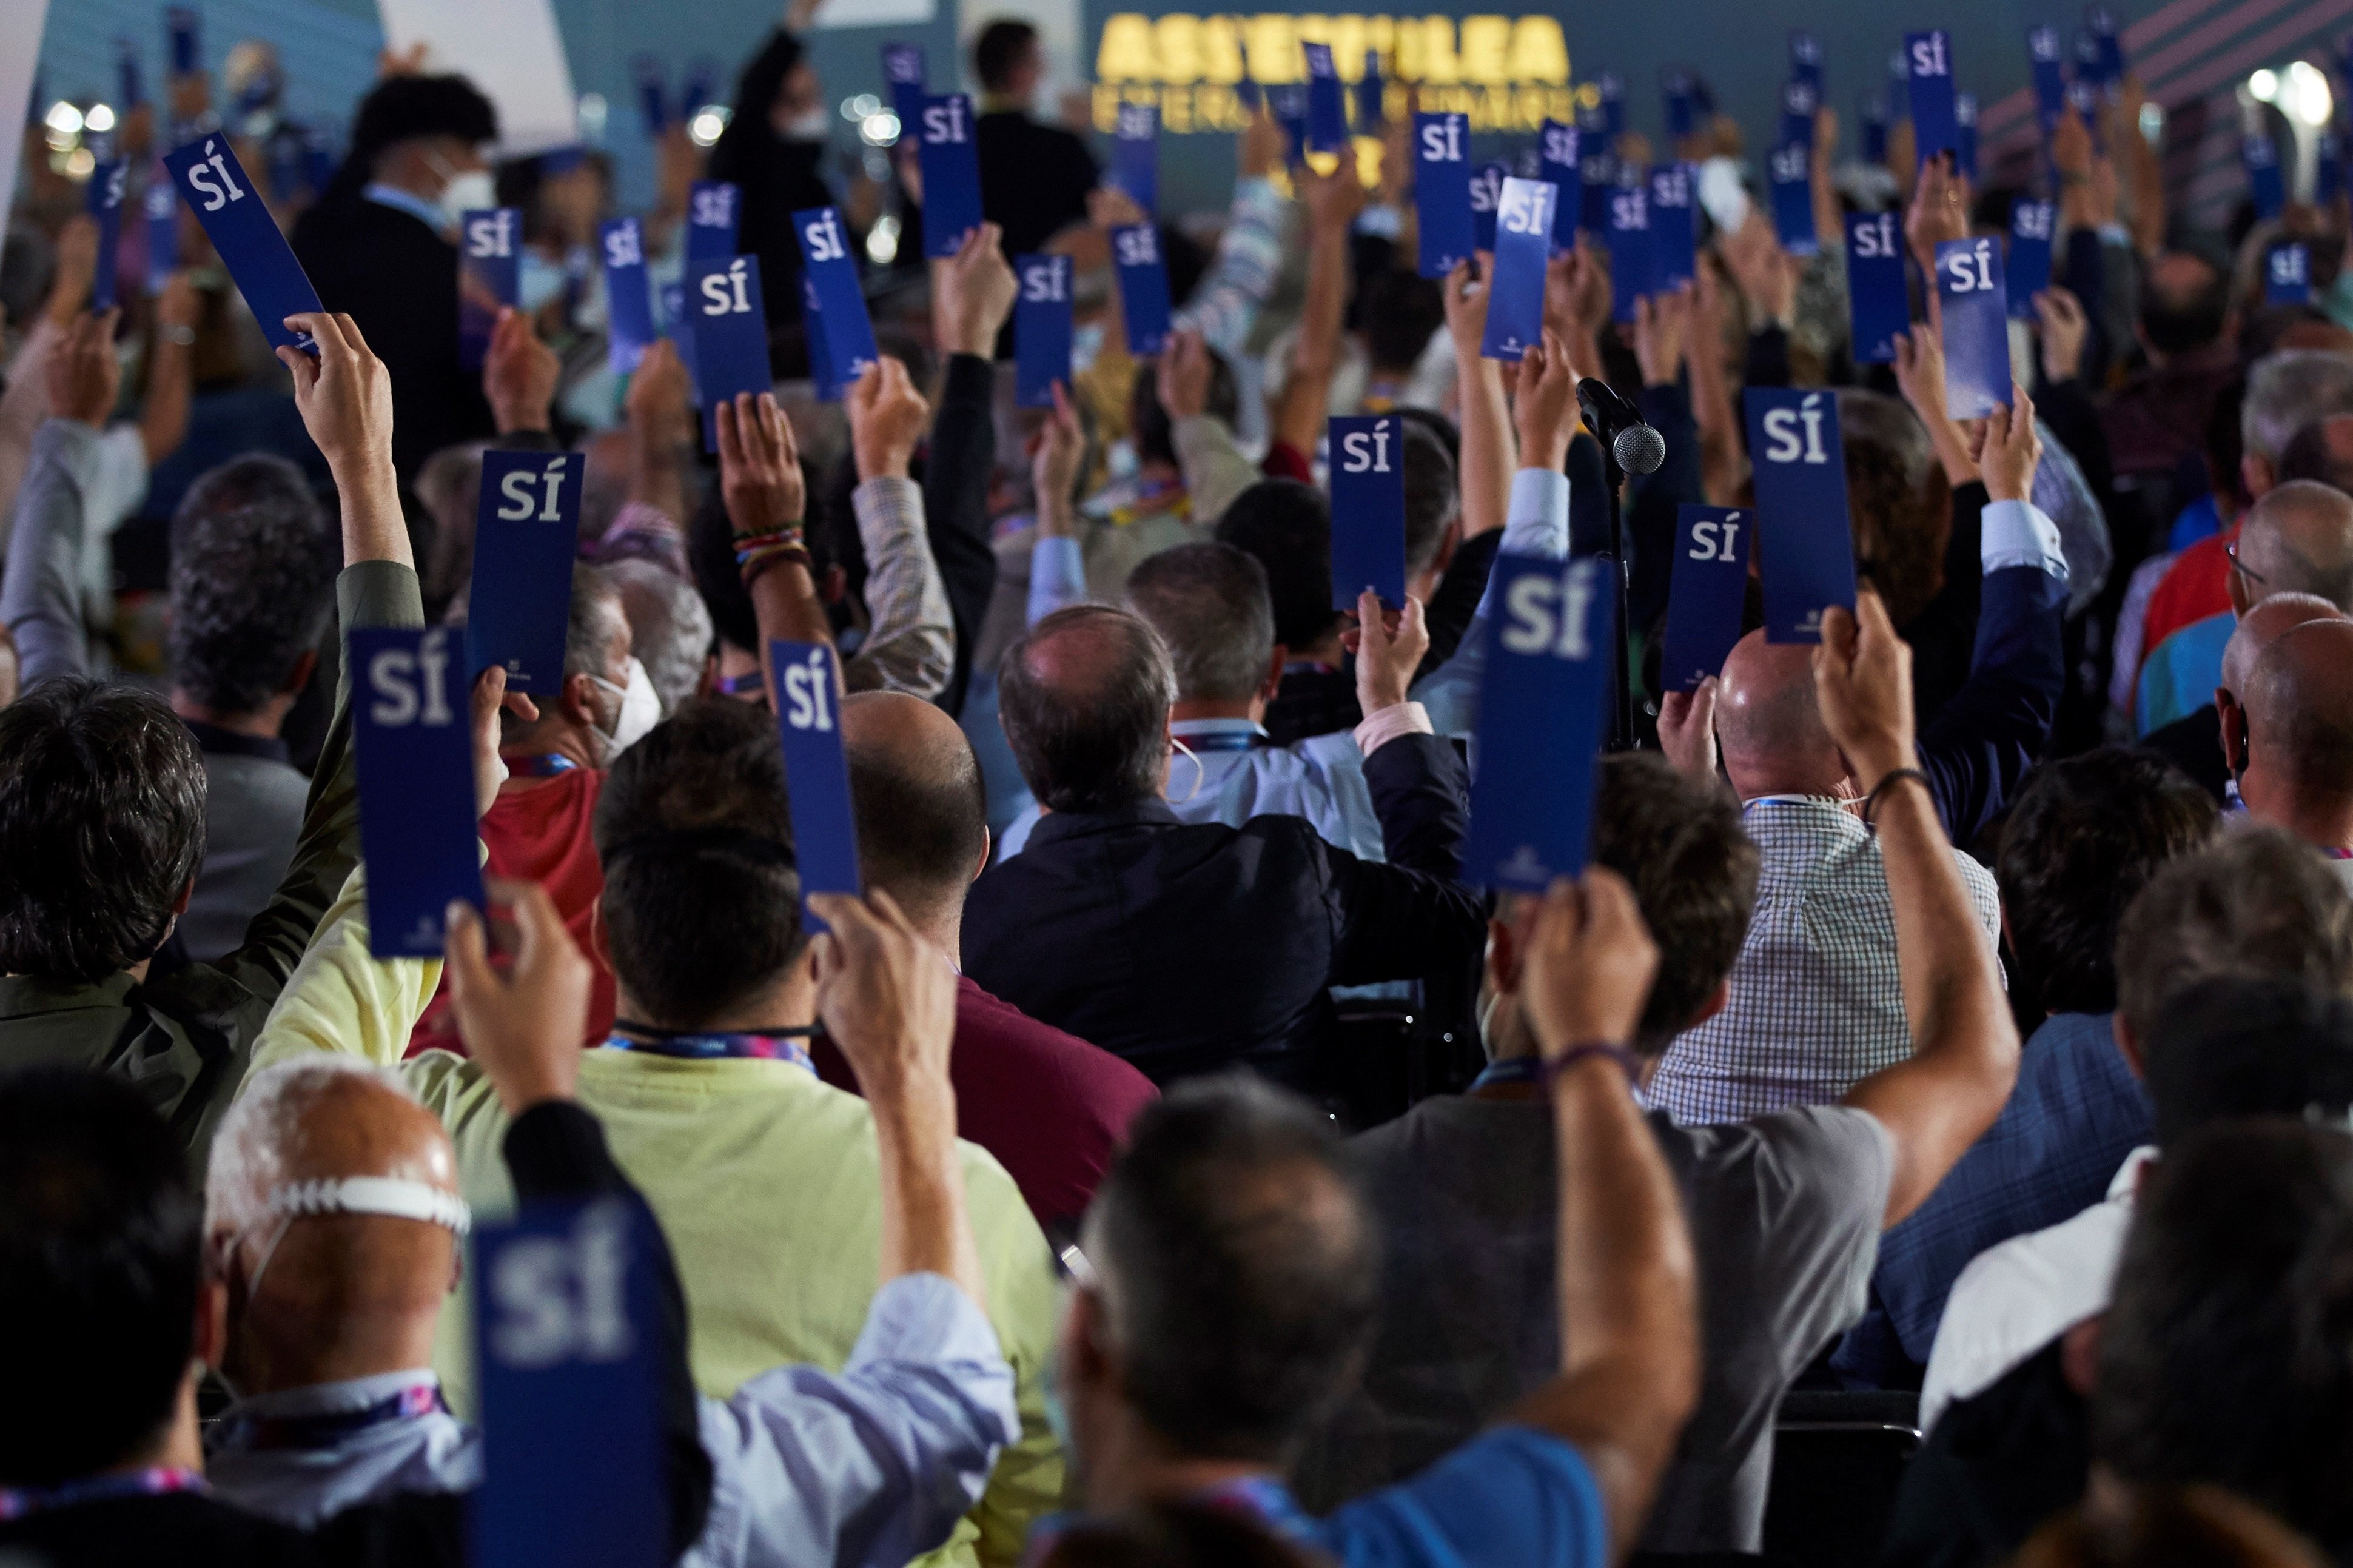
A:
x: 472, y: 191
x: 640, y: 712
x: 816, y: 125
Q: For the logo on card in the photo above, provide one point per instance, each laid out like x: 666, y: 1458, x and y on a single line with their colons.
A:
x: 1525, y: 866
x: 622, y: 247
x: 808, y: 694
x: 1928, y: 56
x: 715, y: 207
x: 1442, y: 141
x: 1547, y: 614
x: 490, y: 234
x: 824, y: 236
x: 208, y: 176
x: 560, y: 1300
x: 1794, y: 435
x: 1717, y: 541
x: 411, y: 689
x: 1138, y: 246
x: 518, y: 501
x: 1970, y: 271
x: 1877, y: 237
x: 728, y: 293
x: 1041, y: 283
x: 945, y: 122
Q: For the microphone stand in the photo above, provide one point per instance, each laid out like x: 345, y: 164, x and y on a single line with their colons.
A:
x: 1621, y: 704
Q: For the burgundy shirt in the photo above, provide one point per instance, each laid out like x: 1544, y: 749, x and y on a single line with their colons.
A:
x: 1050, y: 1107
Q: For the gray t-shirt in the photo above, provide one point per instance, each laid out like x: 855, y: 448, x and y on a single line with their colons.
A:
x: 1785, y: 1213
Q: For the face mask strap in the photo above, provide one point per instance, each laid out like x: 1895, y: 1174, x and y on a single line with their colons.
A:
x: 1200, y: 773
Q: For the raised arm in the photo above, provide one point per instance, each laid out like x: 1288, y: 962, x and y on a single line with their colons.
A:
x: 972, y: 296
x: 41, y: 597
x: 1333, y: 202
x: 171, y: 369
x: 910, y: 636
x: 1058, y: 570
x: 1488, y: 452
x: 1215, y: 469
x: 1965, y: 1055
x: 760, y: 483
x: 519, y: 377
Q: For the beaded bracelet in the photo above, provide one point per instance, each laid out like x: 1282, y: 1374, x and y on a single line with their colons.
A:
x: 1576, y: 1053
x: 750, y: 564
x: 751, y: 545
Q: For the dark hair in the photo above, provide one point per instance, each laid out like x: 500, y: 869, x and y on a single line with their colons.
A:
x: 2258, y: 903
x: 404, y: 108
x: 1153, y: 432
x: 1209, y: 605
x: 1287, y: 524
x: 922, y: 818
x: 701, y: 900
x: 1093, y: 739
x: 2085, y: 835
x: 2226, y: 1356
x: 1679, y: 841
x: 251, y: 572
x: 710, y: 552
x: 1239, y: 1310
x: 1433, y: 497
x: 101, y: 828
x: 998, y: 49
x: 2176, y: 320
x: 1900, y: 502
x: 101, y: 1257
x: 2238, y: 1047
x: 1172, y: 1534
x: 2167, y: 1527
x: 1402, y: 311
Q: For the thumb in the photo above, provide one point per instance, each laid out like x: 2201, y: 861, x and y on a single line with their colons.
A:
x: 464, y: 954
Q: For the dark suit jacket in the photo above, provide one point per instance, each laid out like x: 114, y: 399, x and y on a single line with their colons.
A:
x: 1189, y: 947
x: 2193, y: 743
x: 1984, y: 738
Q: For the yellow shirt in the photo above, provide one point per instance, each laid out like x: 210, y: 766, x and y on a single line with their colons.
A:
x: 767, y: 1182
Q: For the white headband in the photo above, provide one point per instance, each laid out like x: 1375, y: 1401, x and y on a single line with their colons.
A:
x: 395, y: 1197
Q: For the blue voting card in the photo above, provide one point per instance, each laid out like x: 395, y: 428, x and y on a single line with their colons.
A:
x: 1612, y: 88
x: 816, y: 779
x: 1367, y: 475
x: 1629, y: 237
x: 843, y: 331
x: 830, y: 387
x: 1442, y: 193
x: 2050, y: 76
x: 207, y: 174
x: 2026, y: 271
x: 1800, y: 101
x: 2107, y: 50
x: 1556, y: 165
x: 130, y: 88
x: 903, y: 73
x: 1928, y: 74
x: 628, y: 296
x: 162, y: 214
x: 526, y: 534
x: 1597, y: 177
x: 1372, y: 99
x: 1288, y: 104
x: 1675, y: 88
x: 2084, y: 97
x: 951, y: 161
x: 652, y: 100
x: 1792, y: 170
x: 1142, y: 287
x: 1486, y: 193
x: 1523, y: 226
x: 2265, y: 184
x: 1873, y: 119
x: 1543, y: 708
x: 700, y: 86
x: 1881, y: 307
x: 729, y: 324
x: 1675, y: 239
x: 681, y: 335
x: 2327, y: 167
x: 1708, y: 590
x: 187, y: 53
x: 1135, y: 155
x: 103, y: 195
x: 2287, y: 274
x: 1806, y: 58
x: 1246, y: 91
x: 490, y: 276
x: 1976, y: 327
x: 411, y: 736
x: 1041, y: 329
x: 566, y: 1340
x: 714, y: 210
x: 1805, y: 543
x: 1327, y: 103
x: 1965, y: 135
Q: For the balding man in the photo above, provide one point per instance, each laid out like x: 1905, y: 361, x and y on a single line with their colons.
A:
x: 1050, y: 1107
x: 2297, y: 539
x: 1189, y: 947
x: 2210, y: 744
x: 2294, y: 761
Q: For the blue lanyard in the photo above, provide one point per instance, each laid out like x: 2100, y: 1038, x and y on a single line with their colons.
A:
x: 1266, y: 1499
x: 326, y: 1427
x: 546, y: 765
x: 778, y: 1047
x: 1223, y: 741
x: 17, y: 1502
x: 1511, y: 1070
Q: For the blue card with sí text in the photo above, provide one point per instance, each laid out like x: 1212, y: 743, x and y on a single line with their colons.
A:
x: 681, y: 336
x: 2050, y: 76
x: 1596, y: 174
x: 1806, y: 58
x: 1880, y: 306
x: 1135, y: 155
x: 1965, y: 135
x: 2026, y: 270
x: 807, y: 676
x: 1372, y: 98
x: 1792, y: 170
x: 1628, y: 237
x: 130, y: 88
x: 653, y: 102
x: 1928, y: 75
x: 566, y: 1344
x: 1707, y: 593
x: 1367, y: 474
x: 1800, y: 101
x: 1674, y: 226
x: 1613, y: 90
x: 902, y: 74
x: 1976, y: 314
x: 490, y: 277
x: 208, y: 177
x: 2267, y: 185
x: 843, y: 331
x: 1556, y: 165
x: 187, y: 53
x: 951, y: 161
x: 1873, y: 119
x: 413, y: 746
x: 1288, y: 104
x: 162, y: 214
x: 1327, y: 104
x: 714, y: 211
x: 2287, y: 274
x: 1487, y: 192
x: 629, y: 295
x: 1524, y: 226
x: 103, y: 197
x: 2327, y: 167
x: 1442, y: 193
x: 2106, y: 53
x: 1675, y: 89
x: 526, y: 536
x: 1544, y: 709
x: 729, y: 324
x: 1805, y: 542
x: 1041, y: 329
x: 1143, y: 306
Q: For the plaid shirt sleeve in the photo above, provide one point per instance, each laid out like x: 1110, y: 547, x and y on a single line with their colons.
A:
x: 910, y: 641
x: 1225, y: 303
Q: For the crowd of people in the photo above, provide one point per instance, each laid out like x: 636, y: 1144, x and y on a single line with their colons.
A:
x: 1171, y: 1156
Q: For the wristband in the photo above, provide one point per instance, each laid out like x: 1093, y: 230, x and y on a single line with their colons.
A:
x: 1870, y: 801
x: 1556, y: 1065
x: 749, y: 565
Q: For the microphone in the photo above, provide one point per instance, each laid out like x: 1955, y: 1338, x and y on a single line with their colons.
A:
x: 1638, y: 448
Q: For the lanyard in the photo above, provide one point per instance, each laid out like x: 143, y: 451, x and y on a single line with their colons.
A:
x: 777, y: 1046
x: 326, y: 1427
x: 17, y: 1502
x: 1511, y: 1070
x: 1224, y: 741
x: 546, y: 765
x: 1266, y: 1499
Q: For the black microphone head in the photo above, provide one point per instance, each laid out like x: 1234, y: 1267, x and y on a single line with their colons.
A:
x: 1640, y: 449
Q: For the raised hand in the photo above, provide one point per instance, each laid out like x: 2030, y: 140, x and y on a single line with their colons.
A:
x: 1545, y: 408
x: 656, y: 405
x: 887, y: 419
x: 1863, y: 683
x: 1054, y: 467
x: 1466, y: 306
x: 74, y: 270
x: 1687, y: 728
x: 519, y: 374
x: 1183, y: 377
x: 2060, y: 316
x: 345, y: 396
x: 1386, y: 659
x: 490, y: 695
x: 759, y: 468
x: 887, y: 997
x: 1662, y: 324
x: 972, y: 293
x: 523, y: 1028
x: 84, y: 377
x: 1589, y: 965
x: 2012, y: 448
x: 1940, y: 213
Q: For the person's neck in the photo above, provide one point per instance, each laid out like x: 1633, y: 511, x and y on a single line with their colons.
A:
x: 552, y: 737
x: 1327, y: 650
x: 1184, y: 709
x: 179, y: 1445
x: 1754, y: 783
x: 407, y: 174
x: 943, y: 931
x: 1004, y: 103
x: 788, y: 1003
x: 270, y: 1363
x: 263, y: 724
x: 1128, y: 1465
x: 2324, y: 819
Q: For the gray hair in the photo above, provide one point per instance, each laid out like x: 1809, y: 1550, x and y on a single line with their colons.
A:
x: 2289, y: 390
x: 670, y: 628
x: 249, y: 1150
x: 597, y: 615
x: 1209, y: 604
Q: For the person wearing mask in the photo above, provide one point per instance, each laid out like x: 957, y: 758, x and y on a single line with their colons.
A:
x: 1034, y: 177
x: 773, y: 151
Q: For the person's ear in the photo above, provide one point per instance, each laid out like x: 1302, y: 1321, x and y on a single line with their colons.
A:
x: 580, y: 702
x: 211, y: 1321
x: 1717, y: 1001
x: 2128, y: 1047
x: 2255, y: 474
x: 187, y: 891
x: 2232, y: 719
x: 306, y: 664
x: 2235, y: 584
x: 1272, y: 684
x: 988, y: 847
x: 1503, y: 959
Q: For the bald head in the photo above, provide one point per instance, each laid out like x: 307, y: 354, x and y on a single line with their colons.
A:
x: 922, y: 811
x: 2261, y: 625
x: 2298, y: 539
x: 1768, y: 725
x: 2299, y: 703
x: 1084, y: 699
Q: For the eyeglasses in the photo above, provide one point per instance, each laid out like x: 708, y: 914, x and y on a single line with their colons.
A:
x: 2249, y: 573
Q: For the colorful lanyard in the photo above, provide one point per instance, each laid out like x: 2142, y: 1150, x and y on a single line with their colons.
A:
x: 1511, y: 1070
x: 545, y: 766
x: 17, y: 1502
x: 1266, y: 1499
x: 1224, y: 741
x: 750, y: 683
x: 779, y: 1046
x: 330, y: 1427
